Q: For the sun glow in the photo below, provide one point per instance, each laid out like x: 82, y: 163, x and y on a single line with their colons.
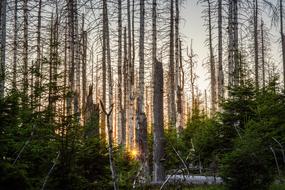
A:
x: 134, y: 153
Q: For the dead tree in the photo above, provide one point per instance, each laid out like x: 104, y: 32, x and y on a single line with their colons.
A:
x: 220, y: 52
x: 233, y: 55
x: 158, y: 133
x: 142, y: 121
x: 120, y: 106
x: 171, y: 88
x: 25, y: 52
x: 256, y: 44
x: 282, y: 38
x: 38, y: 62
x: 110, y: 143
x: 15, y: 44
x: 212, y: 59
x: 3, y: 13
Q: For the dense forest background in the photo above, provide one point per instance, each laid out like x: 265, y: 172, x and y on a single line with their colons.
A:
x: 104, y: 95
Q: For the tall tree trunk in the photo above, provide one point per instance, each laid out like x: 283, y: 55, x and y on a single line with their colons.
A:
x: 15, y: 45
x: 142, y: 124
x: 158, y: 133
x: 77, y: 97
x: 220, y: 52
x: 121, y: 123
x: 125, y: 74
x: 110, y: 147
x: 3, y: 13
x: 177, y: 70
x: 51, y: 69
x: 38, y: 62
x: 108, y: 49
x: 84, y: 62
x: 158, y: 130
x: 131, y: 81
x: 25, y: 52
x: 233, y: 70
x: 282, y: 39
x: 212, y: 61
x: 262, y: 53
x: 256, y: 59
x: 171, y: 88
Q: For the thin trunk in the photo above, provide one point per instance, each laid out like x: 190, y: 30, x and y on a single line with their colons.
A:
x: 15, y: 46
x: 125, y: 74
x: 220, y: 52
x: 121, y: 124
x: 158, y: 130
x: 25, y: 52
x: 212, y: 61
x: 110, y: 147
x: 38, y: 62
x: 131, y: 81
x: 3, y: 13
x: 282, y: 39
x: 256, y: 64
x: 158, y: 133
x: 103, y: 118
x: 263, y: 54
x: 233, y: 70
x: 142, y: 123
x: 171, y: 88
x: 108, y: 50
x: 84, y: 62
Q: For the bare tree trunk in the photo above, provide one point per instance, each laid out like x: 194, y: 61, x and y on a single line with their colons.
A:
x: 256, y: 60
x: 108, y: 49
x: 171, y: 88
x: 15, y: 44
x: 110, y: 141
x: 142, y: 122
x: 178, y: 87
x: 38, y: 62
x: 25, y: 52
x: 237, y: 68
x: 220, y: 52
x: 212, y: 61
x: 282, y: 38
x: 120, y: 108
x: 104, y: 84
x: 84, y: 62
x: 131, y: 80
x: 76, y: 102
x: 233, y: 69
x: 125, y: 73
x: 158, y: 133
x: 263, y: 54
x: 158, y: 130
x: 3, y: 46
x: 51, y: 69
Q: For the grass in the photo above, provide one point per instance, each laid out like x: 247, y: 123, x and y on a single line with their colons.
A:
x: 219, y: 187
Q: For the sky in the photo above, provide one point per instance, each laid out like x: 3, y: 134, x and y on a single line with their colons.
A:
x: 192, y: 28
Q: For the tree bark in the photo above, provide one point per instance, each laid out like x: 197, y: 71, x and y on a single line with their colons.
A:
x: 282, y: 39
x: 256, y: 59
x: 220, y: 52
x: 212, y: 61
x: 158, y: 130
x: 158, y: 133
x: 121, y: 124
x: 25, y: 52
x: 15, y: 45
x: 171, y: 88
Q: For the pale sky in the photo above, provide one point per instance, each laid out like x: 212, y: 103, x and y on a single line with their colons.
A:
x: 192, y: 28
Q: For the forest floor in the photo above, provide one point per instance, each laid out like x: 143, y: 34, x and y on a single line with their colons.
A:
x: 215, y: 187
